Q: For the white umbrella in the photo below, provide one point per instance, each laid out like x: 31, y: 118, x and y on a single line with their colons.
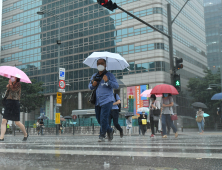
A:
x: 114, y: 61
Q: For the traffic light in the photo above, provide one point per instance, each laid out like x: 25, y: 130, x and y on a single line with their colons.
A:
x: 177, y: 83
x: 107, y: 4
x: 179, y: 64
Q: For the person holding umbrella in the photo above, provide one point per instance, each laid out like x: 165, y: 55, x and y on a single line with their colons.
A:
x: 104, y: 82
x: 200, y: 120
x: 12, y: 107
x: 167, y: 110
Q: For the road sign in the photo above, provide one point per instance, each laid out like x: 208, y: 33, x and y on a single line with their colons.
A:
x: 57, y: 118
x: 74, y: 117
x: 61, y: 73
x: 62, y: 90
x: 62, y: 84
x: 59, y: 99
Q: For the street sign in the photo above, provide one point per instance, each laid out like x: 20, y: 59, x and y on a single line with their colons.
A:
x: 74, y: 117
x: 62, y: 84
x: 57, y: 118
x: 59, y: 99
x: 61, y: 73
x: 62, y: 90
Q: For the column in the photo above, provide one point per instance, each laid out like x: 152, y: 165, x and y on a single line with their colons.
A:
x: 79, y: 100
x: 51, y: 109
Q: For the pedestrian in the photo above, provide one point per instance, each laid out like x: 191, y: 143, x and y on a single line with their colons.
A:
x: 219, y: 113
x: 114, y: 114
x: 143, y: 123
x: 38, y: 126
x: 140, y: 124
x: 60, y: 128
x: 167, y: 110
x: 105, y: 82
x: 154, y: 105
x: 41, y: 126
x: 129, y: 125
x: 200, y: 120
x: 12, y: 107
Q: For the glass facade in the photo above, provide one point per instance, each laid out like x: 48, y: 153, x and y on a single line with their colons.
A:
x: 29, y: 40
x: 213, y: 24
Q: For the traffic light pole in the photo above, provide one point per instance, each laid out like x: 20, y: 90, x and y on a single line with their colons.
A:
x: 169, y: 35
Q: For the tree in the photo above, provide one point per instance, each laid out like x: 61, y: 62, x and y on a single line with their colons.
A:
x: 31, y: 95
x: 198, y: 88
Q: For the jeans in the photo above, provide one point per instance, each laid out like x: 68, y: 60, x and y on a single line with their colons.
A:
x: 201, y: 126
x: 153, y: 124
x: 114, y: 114
x: 166, y: 119
x: 102, y: 116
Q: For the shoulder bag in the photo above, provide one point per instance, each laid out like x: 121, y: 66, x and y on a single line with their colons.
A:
x: 199, y: 118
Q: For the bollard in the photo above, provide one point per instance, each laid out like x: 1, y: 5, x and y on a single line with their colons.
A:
x: 57, y: 129
x: 93, y: 128
x: 14, y: 129
x: 73, y: 129
x: 182, y: 128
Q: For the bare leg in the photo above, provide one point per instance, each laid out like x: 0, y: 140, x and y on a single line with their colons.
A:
x: 3, y: 128
x: 22, y: 127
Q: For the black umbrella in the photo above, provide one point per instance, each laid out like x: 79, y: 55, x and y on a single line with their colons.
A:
x: 199, y: 105
x: 67, y: 117
x: 129, y: 114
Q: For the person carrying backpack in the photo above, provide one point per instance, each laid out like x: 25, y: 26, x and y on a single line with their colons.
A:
x: 114, y: 114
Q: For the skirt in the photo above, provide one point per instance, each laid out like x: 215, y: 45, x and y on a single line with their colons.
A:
x: 12, y: 110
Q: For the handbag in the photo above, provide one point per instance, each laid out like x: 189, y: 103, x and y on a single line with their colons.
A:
x: 156, y: 112
x: 4, y: 98
x: 92, y: 97
x: 199, y: 118
x: 156, y: 118
x: 174, y: 117
x: 144, y: 122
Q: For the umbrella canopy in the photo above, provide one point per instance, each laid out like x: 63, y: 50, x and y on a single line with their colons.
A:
x: 43, y: 117
x: 129, y: 114
x: 114, y: 61
x: 164, y: 88
x: 205, y: 115
x: 67, y: 117
x: 146, y: 93
x: 8, y: 71
x: 143, y: 109
x: 142, y: 113
x: 217, y: 96
x: 199, y: 105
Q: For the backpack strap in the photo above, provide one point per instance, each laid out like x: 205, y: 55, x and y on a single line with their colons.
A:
x: 115, y: 96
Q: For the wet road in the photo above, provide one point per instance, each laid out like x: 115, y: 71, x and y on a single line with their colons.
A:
x: 129, y: 153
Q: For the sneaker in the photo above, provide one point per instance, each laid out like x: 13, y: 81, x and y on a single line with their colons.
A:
x: 165, y: 136
x: 101, y: 139
x: 152, y: 136
x: 176, y: 134
x: 110, y: 135
x: 121, y: 134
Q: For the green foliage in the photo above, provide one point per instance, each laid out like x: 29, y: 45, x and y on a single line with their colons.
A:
x: 31, y: 96
x: 199, y: 93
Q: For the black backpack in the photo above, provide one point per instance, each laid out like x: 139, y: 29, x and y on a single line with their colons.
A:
x: 119, y: 105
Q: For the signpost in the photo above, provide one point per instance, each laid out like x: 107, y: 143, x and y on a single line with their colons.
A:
x: 57, y: 118
x: 59, y: 99
x: 61, y: 73
x: 74, y: 117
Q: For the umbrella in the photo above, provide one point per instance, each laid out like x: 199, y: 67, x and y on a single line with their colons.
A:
x: 146, y: 93
x: 129, y: 114
x: 142, y: 113
x: 8, y: 71
x: 43, y: 117
x: 205, y: 115
x: 164, y: 88
x: 199, y: 105
x: 114, y: 61
x: 217, y: 96
x: 67, y: 117
x: 143, y: 109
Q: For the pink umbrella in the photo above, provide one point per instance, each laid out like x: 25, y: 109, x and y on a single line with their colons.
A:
x: 8, y: 71
x: 146, y: 93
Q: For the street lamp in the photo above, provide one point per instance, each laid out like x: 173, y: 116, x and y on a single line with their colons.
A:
x: 57, y: 42
x: 212, y: 85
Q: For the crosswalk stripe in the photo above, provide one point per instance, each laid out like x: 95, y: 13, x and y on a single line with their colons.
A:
x: 116, y: 153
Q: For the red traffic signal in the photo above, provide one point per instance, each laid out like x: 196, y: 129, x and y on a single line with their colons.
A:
x: 107, y: 4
